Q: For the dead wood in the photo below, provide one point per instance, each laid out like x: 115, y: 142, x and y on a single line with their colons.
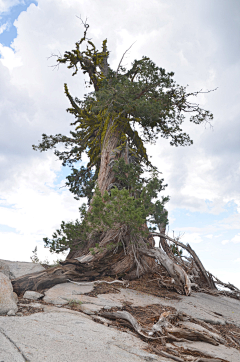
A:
x: 203, y: 359
x: 178, y: 274
x: 193, y: 254
x: 191, y: 335
x: 226, y: 285
x: 129, y: 318
x: 165, y: 354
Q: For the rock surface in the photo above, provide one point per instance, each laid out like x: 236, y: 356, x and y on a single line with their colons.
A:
x: 221, y: 351
x: 67, y: 336
x: 63, y: 293
x: 7, y: 297
x: 15, y: 269
x: 79, y: 335
x: 29, y: 294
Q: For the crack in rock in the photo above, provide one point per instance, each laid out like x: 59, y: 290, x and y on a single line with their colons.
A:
x: 14, y: 344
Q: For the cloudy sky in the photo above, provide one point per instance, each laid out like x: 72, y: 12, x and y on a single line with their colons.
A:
x: 198, y: 40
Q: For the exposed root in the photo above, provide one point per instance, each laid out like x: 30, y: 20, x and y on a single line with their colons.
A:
x: 124, y: 282
x: 174, y: 270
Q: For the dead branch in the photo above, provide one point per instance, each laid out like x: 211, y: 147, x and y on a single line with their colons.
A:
x: 175, y: 271
x: 165, y: 354
x: 194, y: 256
x: 122, y: 59
x: 124, y: 282
x: 226, y: 285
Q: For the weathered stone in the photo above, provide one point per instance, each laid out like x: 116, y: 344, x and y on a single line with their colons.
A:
x: 4, y: 268
x: 16, y: 269
x: 7, y: 298
x: 89, y: 308
x: 63, y: 293
x: 11, y: 313
x: 209, y: 308
x: 29, y: 294
x: 220, y: 351
x: 36, y: 305
x: 72, y: 336
x: 8, y: 351
x: 15, y: 297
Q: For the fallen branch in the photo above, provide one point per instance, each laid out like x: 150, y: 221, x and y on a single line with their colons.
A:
x: 129, y: 318
x: 165, y: 354
x: 124, y: 282
x: 226, y: 285
x: 175, y: 271
x: 194, y: 256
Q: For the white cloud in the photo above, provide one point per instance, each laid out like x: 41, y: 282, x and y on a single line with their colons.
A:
x: 236, y: 239
x: 224, y: 242
x: 191, y: 238
x: 237, y: 260
x: 210, y: 236
x: 8, y: 58
x: 3, y: 27
x: 5, y: 5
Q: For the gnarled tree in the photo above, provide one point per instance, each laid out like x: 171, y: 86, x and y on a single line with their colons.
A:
x: 126, y: 109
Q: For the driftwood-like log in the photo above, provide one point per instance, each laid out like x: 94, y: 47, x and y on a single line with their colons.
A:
x: 207, y: 276
x: 175, y: 271
x: 89, y: 269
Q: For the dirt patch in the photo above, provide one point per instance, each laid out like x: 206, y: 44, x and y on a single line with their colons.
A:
x: 25, y: 308
x: 148, y: 284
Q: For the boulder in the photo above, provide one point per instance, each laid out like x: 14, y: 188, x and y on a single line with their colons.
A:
x: 4, y: 268
x: 29, y: 294
x: 15, y: 269
x: 7, y: 297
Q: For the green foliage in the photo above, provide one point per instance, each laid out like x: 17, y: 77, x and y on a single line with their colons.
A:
x: 74, y: 302
x: 132, y: 204
x: 145, y: 96
x: 176, y: 250
x: 137, y: 106
x: 34, y: 258
x: 68, y: 235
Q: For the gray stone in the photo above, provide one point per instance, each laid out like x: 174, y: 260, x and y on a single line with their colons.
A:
x: 90, y: 308
x: 63, y: 293
x: 15, y: 297
x: 4, y: 268
x: 29, y: 294
x: 209, y: 308
x: 7, y: 298
x: 66, y: 336
x: 11, y: 313
x: 18, y: 268
x: 36, y: 305
x: 8, y: 351
x: 220, y: 351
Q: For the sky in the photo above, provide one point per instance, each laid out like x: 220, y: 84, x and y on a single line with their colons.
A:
x: 197, y: 40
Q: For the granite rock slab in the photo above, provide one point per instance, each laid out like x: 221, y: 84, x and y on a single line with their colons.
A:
x: 69, y: 336
x: 7, y: 297
x: 17, y: 269
x: 220, y: 351
x: 63, y: 293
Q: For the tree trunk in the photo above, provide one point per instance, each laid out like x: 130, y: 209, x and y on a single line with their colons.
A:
x: 106, y: 175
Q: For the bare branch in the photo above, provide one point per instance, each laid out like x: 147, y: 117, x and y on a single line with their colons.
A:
x: 122, y: 58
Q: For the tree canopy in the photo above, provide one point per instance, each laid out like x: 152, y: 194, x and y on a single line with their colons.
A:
x: 126, y: 110
x: 141, y: 104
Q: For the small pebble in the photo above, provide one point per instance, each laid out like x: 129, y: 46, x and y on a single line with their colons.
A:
x: 11, y: 313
